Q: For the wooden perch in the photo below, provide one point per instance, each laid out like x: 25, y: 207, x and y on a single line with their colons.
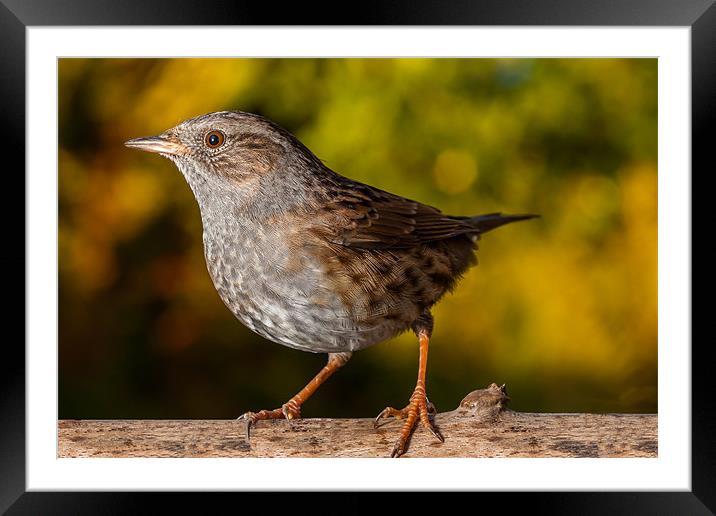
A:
x: 479, y: 427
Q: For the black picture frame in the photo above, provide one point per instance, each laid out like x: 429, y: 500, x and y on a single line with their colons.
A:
x: 17, y: 15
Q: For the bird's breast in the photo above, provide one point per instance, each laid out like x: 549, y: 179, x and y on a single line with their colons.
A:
x: 281, y: 290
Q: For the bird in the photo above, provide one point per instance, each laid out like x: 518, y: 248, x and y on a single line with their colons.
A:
x: 313, y: 260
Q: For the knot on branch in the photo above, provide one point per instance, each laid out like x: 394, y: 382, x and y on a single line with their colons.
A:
x: 483, y: 404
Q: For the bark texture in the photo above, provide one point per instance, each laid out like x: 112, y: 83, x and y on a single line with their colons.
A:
x: 481, y: 426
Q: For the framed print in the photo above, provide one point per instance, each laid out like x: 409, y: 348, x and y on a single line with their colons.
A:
x: 135, y: 371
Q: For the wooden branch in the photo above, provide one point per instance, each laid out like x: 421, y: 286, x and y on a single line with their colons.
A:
x: 479, y: 427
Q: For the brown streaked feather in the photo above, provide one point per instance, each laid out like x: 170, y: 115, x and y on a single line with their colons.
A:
x: 374, y: 219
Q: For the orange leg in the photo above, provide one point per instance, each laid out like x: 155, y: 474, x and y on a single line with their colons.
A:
x: 418, y: 408
x: 292, y: 408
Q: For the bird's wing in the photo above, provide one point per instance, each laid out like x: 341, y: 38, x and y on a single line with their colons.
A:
x: 368, y: 218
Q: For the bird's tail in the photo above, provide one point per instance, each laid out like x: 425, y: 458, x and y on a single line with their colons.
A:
x: 490, y: 221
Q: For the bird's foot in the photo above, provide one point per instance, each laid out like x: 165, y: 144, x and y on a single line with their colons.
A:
x: 290, y: 410
x: 418, y: 408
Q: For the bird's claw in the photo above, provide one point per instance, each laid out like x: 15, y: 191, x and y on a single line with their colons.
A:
x: 436, y: 433
x: 250, y: 418
x: 291, y: 410
x: 288, y: 411
x: 419, y: 408
x: 389, y: 412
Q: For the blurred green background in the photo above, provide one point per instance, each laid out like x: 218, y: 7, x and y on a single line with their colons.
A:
x: 562, y: 309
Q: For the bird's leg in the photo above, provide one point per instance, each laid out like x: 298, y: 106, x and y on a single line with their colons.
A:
x: 292, y: 408
x: 419, y: 406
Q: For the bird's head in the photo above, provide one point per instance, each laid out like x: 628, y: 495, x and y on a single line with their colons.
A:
x: 232, y: 152
x: 226, y: 143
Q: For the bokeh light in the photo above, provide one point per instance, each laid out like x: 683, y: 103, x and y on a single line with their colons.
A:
x: 562, y: 309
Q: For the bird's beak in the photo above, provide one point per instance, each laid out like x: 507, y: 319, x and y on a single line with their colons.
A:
x: 161, y: 144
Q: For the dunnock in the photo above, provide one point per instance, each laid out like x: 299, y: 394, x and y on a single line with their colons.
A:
x: 311, y: 259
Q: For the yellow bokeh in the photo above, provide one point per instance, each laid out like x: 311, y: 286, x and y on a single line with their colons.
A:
x: 562, y: 308
x: 455, y: 171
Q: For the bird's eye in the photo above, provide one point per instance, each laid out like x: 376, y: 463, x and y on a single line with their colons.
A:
x: 214, y: 139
